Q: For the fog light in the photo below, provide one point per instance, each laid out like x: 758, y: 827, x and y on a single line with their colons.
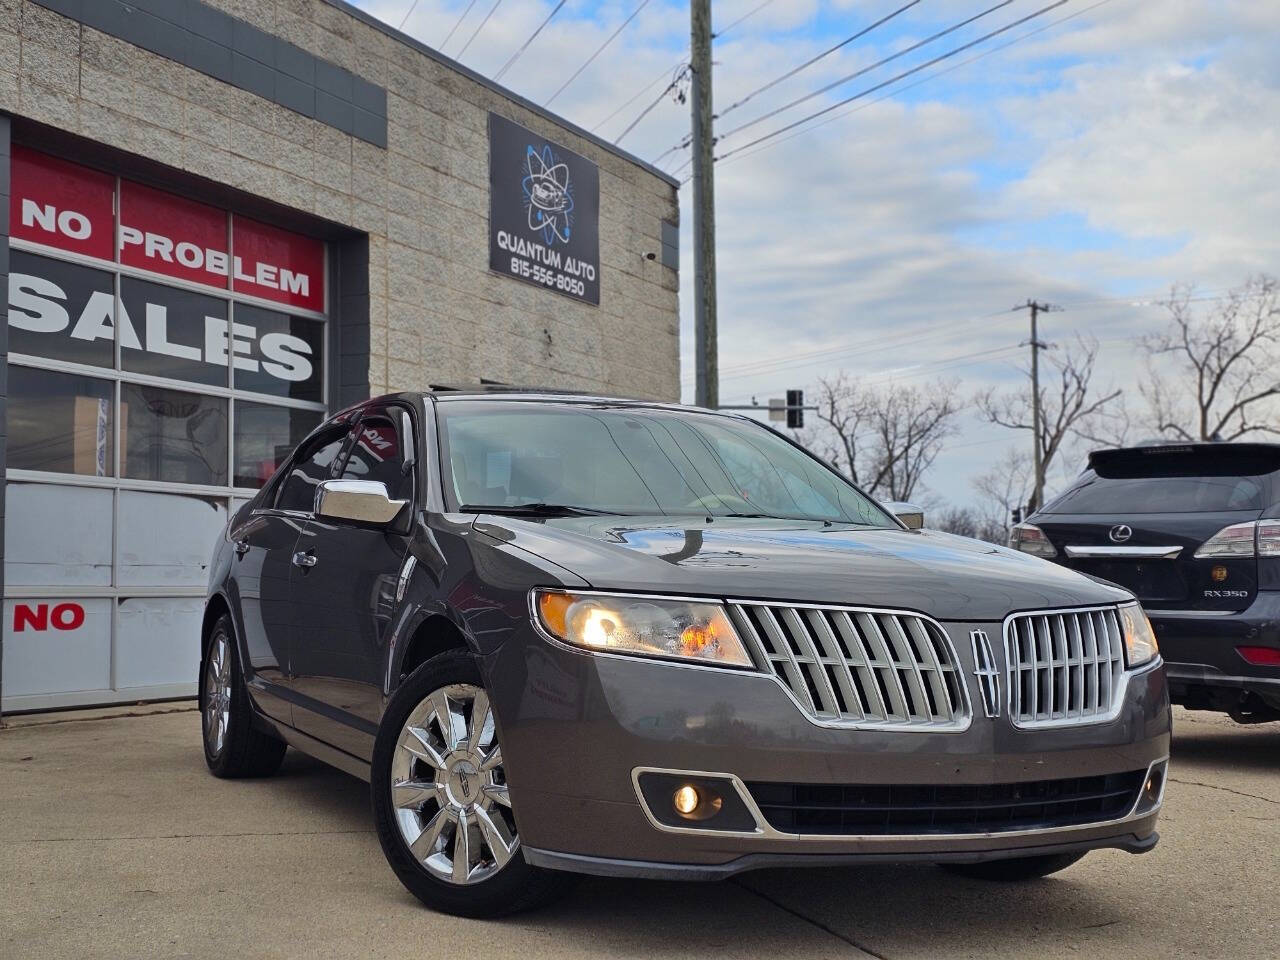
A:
x: 695, y: 803
x: 685, y: 800
x: 1152, y: 789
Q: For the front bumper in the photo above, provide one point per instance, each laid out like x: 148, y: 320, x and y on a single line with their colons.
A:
x: 1199, y: 650
x: 575, y: 727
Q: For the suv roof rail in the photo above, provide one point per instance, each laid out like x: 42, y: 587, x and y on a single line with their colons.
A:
x: 483, y: 387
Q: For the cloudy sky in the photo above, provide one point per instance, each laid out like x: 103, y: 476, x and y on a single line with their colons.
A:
x: 1109, y: 150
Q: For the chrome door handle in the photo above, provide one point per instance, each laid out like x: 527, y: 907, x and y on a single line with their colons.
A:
x: 242, y: 547
x: 304, y: 559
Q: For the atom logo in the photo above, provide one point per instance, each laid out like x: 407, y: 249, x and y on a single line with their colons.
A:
x: 548, y: 197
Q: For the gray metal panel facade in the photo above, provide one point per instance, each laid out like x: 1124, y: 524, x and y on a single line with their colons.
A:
x: 221, y: 46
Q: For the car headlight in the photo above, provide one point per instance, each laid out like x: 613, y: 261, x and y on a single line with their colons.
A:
x: 684, y: 629
x: 1139, y: 639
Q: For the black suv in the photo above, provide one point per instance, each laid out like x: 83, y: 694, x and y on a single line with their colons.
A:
x: 1194, y: 531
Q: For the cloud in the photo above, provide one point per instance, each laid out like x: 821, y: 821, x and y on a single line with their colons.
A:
x: 1103, y: 159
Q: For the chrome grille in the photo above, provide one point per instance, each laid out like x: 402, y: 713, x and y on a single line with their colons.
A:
x: 860, y: 667
x: 1064, y: 666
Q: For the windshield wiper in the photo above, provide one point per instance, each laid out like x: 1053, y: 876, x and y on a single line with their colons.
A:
x: 536, y: 509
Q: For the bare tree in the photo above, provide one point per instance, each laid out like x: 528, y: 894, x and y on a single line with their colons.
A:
x: 1070, y: 406
x: 971, y: 522
x: 884, y: 439
x: 844, y: 407
x: 1004, y: 488
x: 1226, y: 359
x: 910, y: 424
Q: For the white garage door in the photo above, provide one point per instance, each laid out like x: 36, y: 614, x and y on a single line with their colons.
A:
x: 164, y: 356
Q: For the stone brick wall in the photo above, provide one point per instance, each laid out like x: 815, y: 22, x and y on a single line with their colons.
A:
x: 436, y: 313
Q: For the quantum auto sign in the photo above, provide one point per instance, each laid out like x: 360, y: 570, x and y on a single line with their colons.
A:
x: 544, y: 212
x: 71, y: 208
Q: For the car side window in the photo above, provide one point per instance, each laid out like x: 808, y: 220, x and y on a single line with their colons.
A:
x: 313, y: 464
x: 378, y: 454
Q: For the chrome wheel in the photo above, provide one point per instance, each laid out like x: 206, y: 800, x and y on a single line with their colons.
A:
x: 217, y: 693
x: 448, y: 789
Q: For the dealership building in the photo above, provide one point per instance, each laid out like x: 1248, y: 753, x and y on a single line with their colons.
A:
x: 228, y: 217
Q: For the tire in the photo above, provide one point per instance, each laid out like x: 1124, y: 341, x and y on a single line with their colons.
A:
x: 457, y: 782
x: 233, y: 748
x: 1017, y: 869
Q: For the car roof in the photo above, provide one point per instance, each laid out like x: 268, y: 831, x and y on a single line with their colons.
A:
x: 1158, y: 446
x: 1226, y: 459
x: 503, y: 392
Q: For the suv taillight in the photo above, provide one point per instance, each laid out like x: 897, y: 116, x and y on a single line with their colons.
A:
x: 1257, y: 538
x: 1029, y: 538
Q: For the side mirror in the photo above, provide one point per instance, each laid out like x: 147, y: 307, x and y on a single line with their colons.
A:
x: 364, y: 501
x: 912, y: 517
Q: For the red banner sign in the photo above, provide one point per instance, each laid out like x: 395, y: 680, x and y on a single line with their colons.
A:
x: 61, y: 204
x: 277, y: 265
x: 64, y: 205
x: 173, y: 235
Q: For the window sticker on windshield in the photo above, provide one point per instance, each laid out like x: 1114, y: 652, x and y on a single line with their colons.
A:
x: 497, y: 469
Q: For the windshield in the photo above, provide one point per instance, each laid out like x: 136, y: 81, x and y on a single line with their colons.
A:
x: 1100, y: 495
x: 630, y: 460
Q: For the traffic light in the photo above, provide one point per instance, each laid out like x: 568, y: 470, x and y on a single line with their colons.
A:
x: 795, y: 409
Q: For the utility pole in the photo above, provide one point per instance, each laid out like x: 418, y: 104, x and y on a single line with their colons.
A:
x: 1037, y: 345
x: 707, y: 382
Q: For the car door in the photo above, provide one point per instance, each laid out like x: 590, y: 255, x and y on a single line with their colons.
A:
x: 264, y: 543
x: 344, y: 593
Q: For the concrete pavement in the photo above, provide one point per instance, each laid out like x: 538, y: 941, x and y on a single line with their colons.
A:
x: 115, y: 842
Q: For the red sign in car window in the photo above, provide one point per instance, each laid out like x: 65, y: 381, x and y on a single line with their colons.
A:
x: 61, y: 204
x: 173, y: 236
x: 277, y: 265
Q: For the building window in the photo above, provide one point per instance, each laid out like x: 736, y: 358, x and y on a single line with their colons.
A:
x: 61, y: 423
x: 173, y: 436
x: 285, y: 354
x: 160, y: 324
x: 173, y: 333
x: 265, y: 436
x: 63, y: 311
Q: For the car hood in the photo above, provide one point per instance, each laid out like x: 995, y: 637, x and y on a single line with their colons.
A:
x: 947, y: 577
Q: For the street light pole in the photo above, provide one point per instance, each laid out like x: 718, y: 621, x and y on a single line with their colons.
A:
x: 707, y: 373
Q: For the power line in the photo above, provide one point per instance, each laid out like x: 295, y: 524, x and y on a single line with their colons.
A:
x: 688, y: 139
x: 408, y: 13
x: 932, y: 76
x: 880, y: 86
x: 937, y: 366
x: 599, y: 50
x: 444, y: 43
x: 673, y: 85
x: 867, y: 69
x: 812, y: 60
x: 871, y: 345
x: 640, y: 93
x: 496, y: 4
x: 952, y: 362
x: 746, y: 16
x: 675, y: 66
x: 755, y: 368
x: 843, y: 80
x: 525, y: 46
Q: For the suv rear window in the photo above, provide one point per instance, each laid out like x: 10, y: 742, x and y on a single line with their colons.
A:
x: 1096, y: 494
x: 1177, y: 478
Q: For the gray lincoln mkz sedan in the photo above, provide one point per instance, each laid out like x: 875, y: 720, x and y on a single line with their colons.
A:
x: 564, y: 634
